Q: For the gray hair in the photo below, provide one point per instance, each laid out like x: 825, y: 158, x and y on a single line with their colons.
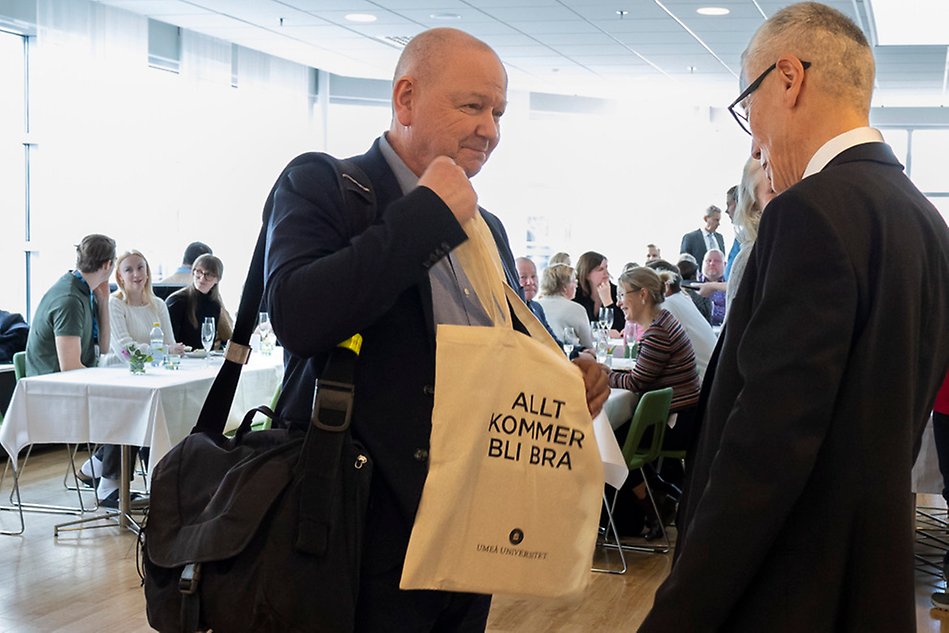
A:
x: 842, y: 62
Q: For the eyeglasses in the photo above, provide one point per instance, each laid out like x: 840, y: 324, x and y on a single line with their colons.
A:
x: 203, y: 274
x: 741, y: 118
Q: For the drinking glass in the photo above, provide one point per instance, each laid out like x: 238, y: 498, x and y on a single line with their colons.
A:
x: 570, y: 339
x: 606, y: 317
x: 208, y: 331
x: 632, y: 346
x: 601, y: 339
x: 265, y: 331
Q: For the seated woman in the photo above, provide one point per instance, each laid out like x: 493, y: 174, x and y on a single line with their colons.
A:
x: 596, y: 290
x: 558, y: 285
x: 665, y: 359
x: 683, y: 309
x: 133, y: 311
x: 189, y: 306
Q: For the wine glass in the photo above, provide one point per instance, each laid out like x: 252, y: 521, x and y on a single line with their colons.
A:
x: 208, y: 331
x: 600, y: 340
x: 265, y: 331
x: 632, y: 345
x: 606, y: 317
x: 570, y: 339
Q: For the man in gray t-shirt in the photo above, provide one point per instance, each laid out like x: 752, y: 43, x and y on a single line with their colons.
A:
x: 74, y: 314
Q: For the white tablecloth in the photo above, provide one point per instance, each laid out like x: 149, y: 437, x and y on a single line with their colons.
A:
x: 109, y: 405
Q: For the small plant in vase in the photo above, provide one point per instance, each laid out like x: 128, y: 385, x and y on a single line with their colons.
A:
x: 138, y: 356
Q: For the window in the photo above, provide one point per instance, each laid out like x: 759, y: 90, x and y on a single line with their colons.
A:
x: 164, y: 46
x: 13, y: 174
x: 930, y: 149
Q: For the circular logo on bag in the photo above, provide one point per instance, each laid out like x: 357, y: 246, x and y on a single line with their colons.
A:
x: 516, y: 536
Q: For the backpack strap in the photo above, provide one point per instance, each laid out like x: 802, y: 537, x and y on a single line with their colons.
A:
x: 360, y: 201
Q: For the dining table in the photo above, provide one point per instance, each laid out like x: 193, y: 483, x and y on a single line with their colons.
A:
x: 110, y: 405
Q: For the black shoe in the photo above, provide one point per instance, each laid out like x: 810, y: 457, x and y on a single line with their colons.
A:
x: 137, y: 501
x: 652, y: 530
x: 86, y: 480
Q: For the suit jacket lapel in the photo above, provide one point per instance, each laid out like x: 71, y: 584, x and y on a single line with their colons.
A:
x: 387, y: 191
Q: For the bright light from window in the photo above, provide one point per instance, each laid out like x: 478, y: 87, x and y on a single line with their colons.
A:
x: 362, y: 18
x: 926, y: 23
x: 712, y: 11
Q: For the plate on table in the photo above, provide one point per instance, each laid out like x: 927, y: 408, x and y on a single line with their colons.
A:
x: 624, y: 364
x: 198, y: 353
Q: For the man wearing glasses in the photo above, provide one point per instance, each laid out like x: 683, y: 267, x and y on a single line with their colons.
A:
x: 797, y: 514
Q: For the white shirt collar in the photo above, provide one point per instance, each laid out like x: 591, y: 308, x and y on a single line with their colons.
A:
x: 835, y: 146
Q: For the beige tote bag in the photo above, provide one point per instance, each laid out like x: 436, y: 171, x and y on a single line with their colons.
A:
x: 512, y: 499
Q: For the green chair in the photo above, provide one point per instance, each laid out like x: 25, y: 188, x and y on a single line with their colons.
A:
x: 651, y: 412
x: 265, y: 423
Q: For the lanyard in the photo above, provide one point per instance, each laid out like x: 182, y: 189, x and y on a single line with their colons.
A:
x: 92, y: 305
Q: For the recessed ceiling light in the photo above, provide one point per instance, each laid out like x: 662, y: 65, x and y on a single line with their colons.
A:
x: 622, y: 13
x: 363, y: 18
x: 445, y: 16
x: 713, y: 11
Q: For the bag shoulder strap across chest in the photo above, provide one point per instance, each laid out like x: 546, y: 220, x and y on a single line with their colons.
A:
x: 360, y: 201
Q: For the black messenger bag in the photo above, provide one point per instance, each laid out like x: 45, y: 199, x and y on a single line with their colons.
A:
x: 263, y: 532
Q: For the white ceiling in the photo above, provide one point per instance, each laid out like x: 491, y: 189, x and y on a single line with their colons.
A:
x: 565, y: 46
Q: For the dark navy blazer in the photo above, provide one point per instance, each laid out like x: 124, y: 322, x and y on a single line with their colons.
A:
x: 323, y: 285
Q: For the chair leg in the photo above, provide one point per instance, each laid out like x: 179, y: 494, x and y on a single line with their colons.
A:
x: 71, y: 478
x: 17, y: 505
x: 665, y: 546
x: 42, y: 507
x: 29, y: 449
x: 611, y: 527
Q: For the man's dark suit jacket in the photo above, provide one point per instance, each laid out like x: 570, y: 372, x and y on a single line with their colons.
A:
x: 798, y: 513
x: 322, y: 287
x: 694, y: 244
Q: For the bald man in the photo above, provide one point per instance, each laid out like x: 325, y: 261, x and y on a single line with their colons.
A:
x: 393, y: 283
x: 798, y: 511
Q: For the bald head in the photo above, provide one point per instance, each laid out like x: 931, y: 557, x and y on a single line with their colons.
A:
x: 425, y: 53
x: 449, y: 94
x: 527, y: 272
x: 842, y: 65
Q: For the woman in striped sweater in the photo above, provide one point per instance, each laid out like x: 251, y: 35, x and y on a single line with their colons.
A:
x: 666, y: 359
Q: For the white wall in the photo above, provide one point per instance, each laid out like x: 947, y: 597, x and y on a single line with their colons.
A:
x: 157, y: 159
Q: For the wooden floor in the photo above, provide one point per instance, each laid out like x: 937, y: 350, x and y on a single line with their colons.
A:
x: 87, y: 581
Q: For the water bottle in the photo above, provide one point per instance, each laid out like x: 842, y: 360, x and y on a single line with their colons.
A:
x: 156, y: 340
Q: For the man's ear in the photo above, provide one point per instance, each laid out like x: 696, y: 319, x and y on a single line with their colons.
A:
x: 790, y: 72
x: 403, y: 100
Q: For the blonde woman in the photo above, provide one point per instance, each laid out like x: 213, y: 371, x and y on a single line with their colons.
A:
x: 754, y: 194
x: 558, y: 285
x: 134, y: 309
